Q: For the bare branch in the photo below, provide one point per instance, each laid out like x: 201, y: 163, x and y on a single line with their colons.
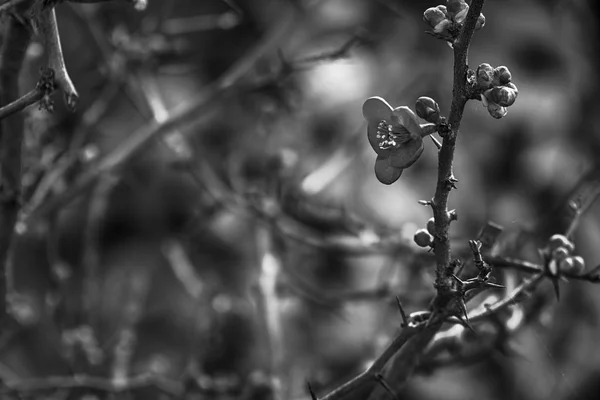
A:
x: 184, y: 116
x: 15, y: 40
x: 56, y: 61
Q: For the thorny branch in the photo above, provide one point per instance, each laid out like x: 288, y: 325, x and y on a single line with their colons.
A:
x: 446, y: 180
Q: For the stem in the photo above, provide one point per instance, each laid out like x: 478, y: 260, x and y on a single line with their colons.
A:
x: 16, y: 39
x: 56, y: 61
x: 443, y: 282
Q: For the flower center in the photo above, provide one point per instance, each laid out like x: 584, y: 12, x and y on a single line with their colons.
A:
x: 390, y: 139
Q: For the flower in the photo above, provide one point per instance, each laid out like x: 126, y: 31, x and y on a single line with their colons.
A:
x: 396, y: 136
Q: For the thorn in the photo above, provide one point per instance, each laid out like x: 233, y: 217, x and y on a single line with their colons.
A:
x: 466, y: 324
x: 459, y: 281
x: 387, y: 387
x: 436, y: 142
x: 556, y: 287
x: 404, y: 323
x: 460, y: 269
x: 425, y: 202
x: 475, y: 246
x: 452, y: 215
x: 463, y: 308
x: 313, y: 396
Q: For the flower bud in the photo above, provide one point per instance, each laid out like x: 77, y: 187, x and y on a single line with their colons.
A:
x: 485, y: 75
x: 503, y: 96
x: 431, y: 226
x: 559, y: 240
x: 578, y: 264
x: 501, y: 75
x: 513, y: 87
x: 423, y: 238
x: 497, y: 111
x: 480, y: 22
x: 428, y: 109
x: 457, y: 10
x: 553, y: 267
x: 566, y: 264
x: 560, y: 253
x: 434, y: 16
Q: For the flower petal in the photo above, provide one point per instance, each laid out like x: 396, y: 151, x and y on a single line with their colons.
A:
x: 375, y: 109
x: 407, y: 154
x: 385, y: 173
x: 406, y: 117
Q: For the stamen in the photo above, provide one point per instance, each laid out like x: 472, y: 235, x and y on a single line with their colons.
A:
x: 388, y: 138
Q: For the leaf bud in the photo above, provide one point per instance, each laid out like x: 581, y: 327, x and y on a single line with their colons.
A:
x: 480, y: 22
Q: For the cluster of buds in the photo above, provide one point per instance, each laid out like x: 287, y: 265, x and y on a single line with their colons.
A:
x: 560, y: 258
x: 498, y: 90
x: 446, y: 21
x: 424, y: 237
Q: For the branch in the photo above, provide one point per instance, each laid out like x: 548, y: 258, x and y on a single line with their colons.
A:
x: 56, y: 61
x: 445, y: 181
x: 15, y: 41
x: 184, y: 116
x: 52, y: 383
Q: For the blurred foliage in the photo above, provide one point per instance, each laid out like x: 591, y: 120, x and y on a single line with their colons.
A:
x: 99, y: 290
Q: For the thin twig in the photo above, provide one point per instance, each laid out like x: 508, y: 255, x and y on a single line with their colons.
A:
x: 26, y: 100
x: 52, y: 383
x: 15, y: 41
x: 184, y: 116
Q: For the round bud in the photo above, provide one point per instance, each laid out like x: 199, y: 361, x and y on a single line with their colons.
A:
x: 566, y: 264
x: 485, y: 75
x: 442, y: 26
x: 553, y: 267
x: 433, y: 16
x: 503, y: 96
x: 512, y: 86
x: 496, y: 110
x: 578, y: 264
x: 428, y: 109
x: 423, y: 238
x: 560, y: 253
x: 480, y: 22
x: 443, y: 9
x: 559, y: 240
x: 431, y: 226
x: 502, y: 75
x: 457, y: 10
